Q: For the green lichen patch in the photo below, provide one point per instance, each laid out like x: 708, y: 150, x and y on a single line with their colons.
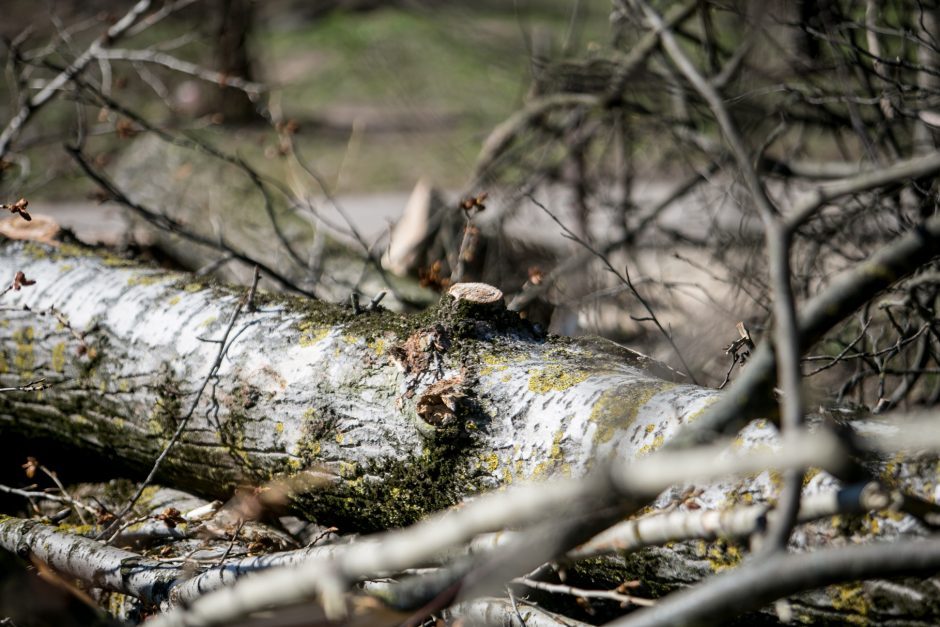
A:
x: 809, y: 475
x: 385, y: 494
x: 490, y: 461
x: 318, y: 318
x: 618, y: 407
x: 24, y: 360
x: 71, y: 250
x: 851, y: 600
x: 380, y: 330
x: 655, y: 445
x: 58, y: 356
x: 554, y: 378
x: 493, y: 363
x: 317, y: 426
x: 377, y: 345
x: 311, y: 333
x: 166, y: 409
x: 724, y: 554
x: 78, y: 530
x: 232, y: 424
x: 143, y: 503
x: 555, y: 461
x: 147, y: 279
x: 697, y: 414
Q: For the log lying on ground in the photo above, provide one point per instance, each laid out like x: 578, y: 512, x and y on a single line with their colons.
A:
x: 389, y: 417
x: 397, y: 415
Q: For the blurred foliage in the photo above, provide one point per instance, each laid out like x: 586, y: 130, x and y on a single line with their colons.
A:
x: 386, y: 95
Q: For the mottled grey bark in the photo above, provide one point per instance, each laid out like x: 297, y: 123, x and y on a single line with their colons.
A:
x: 312, y: 387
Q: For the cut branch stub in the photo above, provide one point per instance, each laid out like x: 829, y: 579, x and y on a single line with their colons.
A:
x: 479, y: 301
x: 478, y: 310
x: 480, y: 294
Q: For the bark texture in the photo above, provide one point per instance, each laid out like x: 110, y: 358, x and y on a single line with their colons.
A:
x: 397, y: 416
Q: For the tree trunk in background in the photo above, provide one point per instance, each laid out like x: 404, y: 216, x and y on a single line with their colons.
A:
x: 928, y: 28
x: 183, y: 184
x: 232, y: 32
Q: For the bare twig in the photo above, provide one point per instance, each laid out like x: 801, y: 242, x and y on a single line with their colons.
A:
x: 171, y: 225
x: 846, y: 293
x: 760, y: 582
x: 374, y: 303
x: 254, y: 90
x: 55, y: 480
x: 531, y: 292
x: 636, y: 482
x: 741, y: 521
x: 168, y: 8
x: 231, y: 545
x: 625, y: 279
x: 625, y: 600
x: 913, y: 168
x: 63, y: 498
x: 115, y: 32
x: 250, y: 299
x: 367, y: 250
x: 32, y: 386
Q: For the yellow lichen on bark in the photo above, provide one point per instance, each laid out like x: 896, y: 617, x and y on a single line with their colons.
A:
x: 554, y: 378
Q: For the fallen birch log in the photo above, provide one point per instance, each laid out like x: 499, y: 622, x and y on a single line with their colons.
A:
x: 397, y: 416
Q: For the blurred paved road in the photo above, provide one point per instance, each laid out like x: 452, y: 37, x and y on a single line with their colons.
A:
x: 106, y: 223
x: 372, y: 213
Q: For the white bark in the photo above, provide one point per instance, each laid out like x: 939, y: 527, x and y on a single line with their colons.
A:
x: 308, y: 386
x: 99, y: 565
